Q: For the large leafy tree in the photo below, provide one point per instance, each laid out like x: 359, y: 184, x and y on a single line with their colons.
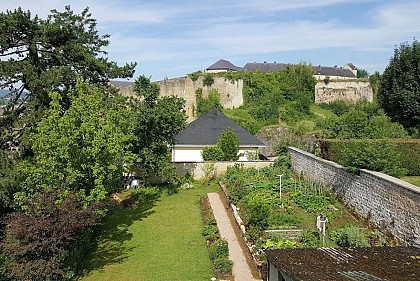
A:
x: 157, y: 121
x: 85, y: 148
x: 399, y: 91
x: 38, y: 56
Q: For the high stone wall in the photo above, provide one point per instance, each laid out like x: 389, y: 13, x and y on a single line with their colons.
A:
x: 385, y: 201
x: 184, y: 87
x: 343, y: 90
x: 231, y: 91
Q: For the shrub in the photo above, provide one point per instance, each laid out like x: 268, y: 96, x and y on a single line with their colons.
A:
x: 219, y: 249
x: 349, y: 236
x: 194, y: 76
x: 376, y: 155
x: 210, y: 231
x: 205, y: 104
x: 310, y: 239
x: 229, y: 143
x: 258, y: 208
x: 222, y: 265
x: 208, y: 80
x: 40, y: 243
x: 212, y: 153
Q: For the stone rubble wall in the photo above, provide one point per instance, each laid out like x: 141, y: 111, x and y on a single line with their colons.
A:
x: 184, y: 87
x: 343, y: 90
x: 199, y: 169
x: 387, y: 202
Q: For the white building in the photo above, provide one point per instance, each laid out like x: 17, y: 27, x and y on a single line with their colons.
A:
x: 205, y: 131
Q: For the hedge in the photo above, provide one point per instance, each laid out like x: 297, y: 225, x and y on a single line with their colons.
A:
x: 401, y: 153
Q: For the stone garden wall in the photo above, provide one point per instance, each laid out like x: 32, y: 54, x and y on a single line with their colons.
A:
x: 385, y: 201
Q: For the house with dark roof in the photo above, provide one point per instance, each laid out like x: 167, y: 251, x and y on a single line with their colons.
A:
x: 265, y: 67
x: 349, y: 71
x: 344, y: 264
x: 334, y: 72
x: 222, y: 66
x: 205, y: 131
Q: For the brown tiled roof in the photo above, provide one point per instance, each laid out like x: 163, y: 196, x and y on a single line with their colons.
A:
x: 346, y: 264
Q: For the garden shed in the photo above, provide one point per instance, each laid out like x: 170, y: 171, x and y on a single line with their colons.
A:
x: 205, y: 131
x: 344, y: 264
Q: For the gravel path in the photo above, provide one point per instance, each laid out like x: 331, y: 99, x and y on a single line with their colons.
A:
x: 241, y: 270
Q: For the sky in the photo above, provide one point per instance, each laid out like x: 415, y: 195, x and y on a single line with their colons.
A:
x: 173, y: 38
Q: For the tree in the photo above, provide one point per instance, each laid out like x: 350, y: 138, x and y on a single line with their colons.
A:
x: 399, y: 91
x: 362, y: 73
x: 157, y: 120
x: 374, y: 81
x: 85, y: 148
x: 38, y: 56
x: 229, y: 143
x: 42, y: 243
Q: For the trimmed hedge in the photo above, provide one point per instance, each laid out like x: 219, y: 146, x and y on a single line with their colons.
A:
x: 391, y: 154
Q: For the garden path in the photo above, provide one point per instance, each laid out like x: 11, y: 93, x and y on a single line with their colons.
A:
x: 241, y: 270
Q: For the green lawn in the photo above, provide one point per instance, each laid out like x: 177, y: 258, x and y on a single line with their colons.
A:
x: 157, y: 239
x: 413, y: 180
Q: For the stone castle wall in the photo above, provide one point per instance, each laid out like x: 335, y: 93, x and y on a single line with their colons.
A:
x: 387, y: 202
x: 230, y: 91
x: 343, y: 90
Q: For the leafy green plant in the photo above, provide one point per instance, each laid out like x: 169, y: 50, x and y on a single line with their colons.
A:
x: 212, y: 153
x: 219, y: 249
x: 194, y: 76
x: 208, y: 80
x: 349, y: 236
x: 309, y: 239
x: 222, y: 265
x: 204, y: 104
x: 229, y: 144
x: 210, y: 231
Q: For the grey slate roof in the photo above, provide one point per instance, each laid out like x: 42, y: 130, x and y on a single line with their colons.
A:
x: 319, y: 70
x: 333, y: 71
x: 207, y: 129
x: 265, y: 67
x: 345, y: 264
x: 223, y: 65
x: 118, y: 83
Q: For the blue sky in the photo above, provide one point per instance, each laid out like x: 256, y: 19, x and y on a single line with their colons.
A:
x: 172, y: 38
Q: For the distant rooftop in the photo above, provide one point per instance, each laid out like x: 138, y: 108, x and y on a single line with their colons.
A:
x: 346, y: 264
x: 223, y: 65
x: 319, y: 70
x: 118, y: 83
x: 265, y: 67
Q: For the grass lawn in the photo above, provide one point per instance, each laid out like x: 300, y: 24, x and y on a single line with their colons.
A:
x: 413, y: 180
x: 321, y: 112
x: 157, y: 239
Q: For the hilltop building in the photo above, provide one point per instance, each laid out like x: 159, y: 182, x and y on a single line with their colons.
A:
x: 348, y: 71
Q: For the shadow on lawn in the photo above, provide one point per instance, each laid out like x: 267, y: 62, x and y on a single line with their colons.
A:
x: 110, y: 247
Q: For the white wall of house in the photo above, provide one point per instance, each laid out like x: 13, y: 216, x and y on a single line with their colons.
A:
x: 187, y: 154
x: 193, y: 154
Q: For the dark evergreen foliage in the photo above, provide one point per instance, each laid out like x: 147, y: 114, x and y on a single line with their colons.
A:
x: 43, y: 55
x: 399, y: 92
